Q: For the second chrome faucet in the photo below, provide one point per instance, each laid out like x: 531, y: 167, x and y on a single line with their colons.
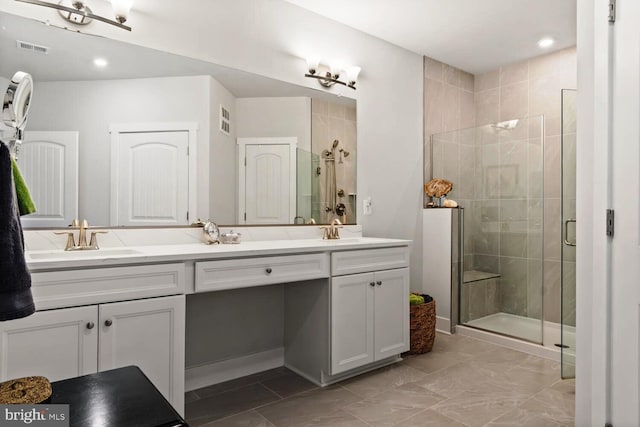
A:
x: 82, y: 244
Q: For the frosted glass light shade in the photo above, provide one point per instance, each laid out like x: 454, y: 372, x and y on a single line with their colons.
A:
x: 352, y: 74
x: 121, y: 9
x: 336, y: 69
x: 312, y: 64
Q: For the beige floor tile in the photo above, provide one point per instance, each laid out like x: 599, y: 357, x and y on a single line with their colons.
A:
x: 392, y: 406
x: 374, y: 382
x: 309, y: 408
x: 552, y: 404
x: 245, y: 419
x: 434, y: 361
x: 466, y: 376
x: 477, y: 409
x: 524, y: 418
x: 228, y: 403
x: 288, y: 385
x: 429, y: 418
x: 241, y: 382
x: 462, y: 382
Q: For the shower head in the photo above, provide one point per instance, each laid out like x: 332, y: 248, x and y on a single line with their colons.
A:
x: 344, y: 152
x: 335, y: 143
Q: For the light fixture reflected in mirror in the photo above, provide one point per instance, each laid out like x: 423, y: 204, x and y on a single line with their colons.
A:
x: 332, y: 75
x: 79, y: 13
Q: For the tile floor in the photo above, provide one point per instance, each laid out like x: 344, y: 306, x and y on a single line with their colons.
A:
x: 462, y: 382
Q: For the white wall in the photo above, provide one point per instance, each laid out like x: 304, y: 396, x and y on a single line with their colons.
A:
x: 271, y: 38
x: 275, y: 117
x: 223, y: 175
x: 91, y: 106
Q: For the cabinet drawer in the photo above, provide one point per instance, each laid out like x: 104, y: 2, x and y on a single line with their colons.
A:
x: 242, y: 273
x: 362, y: 261
x: 68, y: 288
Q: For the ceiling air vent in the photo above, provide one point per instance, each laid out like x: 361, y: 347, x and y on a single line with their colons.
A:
x: 32, y: 47
x: 225, y: 120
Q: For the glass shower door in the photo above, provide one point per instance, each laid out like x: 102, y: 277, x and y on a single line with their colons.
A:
x: 568, y: 281
x: 497, y: 173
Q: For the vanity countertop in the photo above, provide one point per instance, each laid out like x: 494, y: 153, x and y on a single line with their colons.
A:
x: 54, y: 260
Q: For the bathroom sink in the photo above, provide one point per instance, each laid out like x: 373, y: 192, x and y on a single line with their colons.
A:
x: 100, y: 253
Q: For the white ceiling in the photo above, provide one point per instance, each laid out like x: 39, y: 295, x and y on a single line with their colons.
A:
x: 71, y: 54
x: 474, y: 35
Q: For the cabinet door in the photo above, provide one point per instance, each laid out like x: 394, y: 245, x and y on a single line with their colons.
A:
x: 391, y: 313
x: 148, y: 334
x: 57, y: 344
x: 351, y: 321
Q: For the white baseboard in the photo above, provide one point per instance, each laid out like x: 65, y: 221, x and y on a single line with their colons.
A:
x: 230, y: 369
x: 443, y: 325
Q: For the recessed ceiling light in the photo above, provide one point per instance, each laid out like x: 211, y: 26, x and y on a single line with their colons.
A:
x: 546, y: 42
x: 100, y: 62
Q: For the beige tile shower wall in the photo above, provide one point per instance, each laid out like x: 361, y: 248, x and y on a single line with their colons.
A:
x: 531, y: 88
x: 448, y: 103
x: 331, y: 121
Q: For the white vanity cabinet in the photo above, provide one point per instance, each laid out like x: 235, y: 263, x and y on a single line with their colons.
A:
x: 57, y: 344
x: 62, y: 343
x: 369, y: 311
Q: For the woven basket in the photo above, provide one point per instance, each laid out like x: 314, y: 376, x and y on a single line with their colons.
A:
x: 423, y: 327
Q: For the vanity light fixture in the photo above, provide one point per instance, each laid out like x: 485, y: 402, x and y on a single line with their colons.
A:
x: 332, y: 75
x: 77, y: 12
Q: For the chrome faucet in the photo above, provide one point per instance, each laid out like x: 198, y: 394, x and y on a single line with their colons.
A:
x: 332, y: 231
x: 82, y: 244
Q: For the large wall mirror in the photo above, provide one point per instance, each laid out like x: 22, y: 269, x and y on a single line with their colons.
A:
x: 128, y: 136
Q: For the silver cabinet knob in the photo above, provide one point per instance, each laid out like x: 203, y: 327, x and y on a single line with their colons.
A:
x: 268, y: 270
x: 90, y: 325
x: 108, y: 322
x: 372, y: 284
x: 379, y: 283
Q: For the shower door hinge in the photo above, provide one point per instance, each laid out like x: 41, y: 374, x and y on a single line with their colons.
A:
x: 610, y: 222
x: 612, y: 11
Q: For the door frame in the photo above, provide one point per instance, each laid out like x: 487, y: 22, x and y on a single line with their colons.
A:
x: 242, y: 143
x: 116, y: 129
x: 593, y: 177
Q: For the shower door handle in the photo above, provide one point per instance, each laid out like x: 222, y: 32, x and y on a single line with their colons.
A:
x: 566, y: 231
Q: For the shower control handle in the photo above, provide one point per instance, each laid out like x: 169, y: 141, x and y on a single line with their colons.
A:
x: 566, y: 231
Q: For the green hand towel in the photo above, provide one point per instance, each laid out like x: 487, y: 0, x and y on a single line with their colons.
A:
x: 25, y: 203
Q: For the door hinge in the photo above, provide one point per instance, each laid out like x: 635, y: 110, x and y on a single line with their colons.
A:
x: 612, y: 11
x: 245, y: 161
x: 610, y: 222
x: 187, y: 215
x: 245, y: 216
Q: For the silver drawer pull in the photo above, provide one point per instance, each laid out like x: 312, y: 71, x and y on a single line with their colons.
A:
x: 379, y: 283
x: 90, y: 325
x: 108, y: 322
x: 372, y: 284
x: 268, y: 270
